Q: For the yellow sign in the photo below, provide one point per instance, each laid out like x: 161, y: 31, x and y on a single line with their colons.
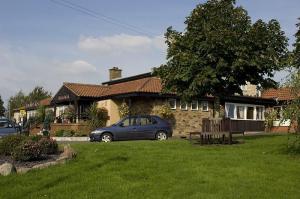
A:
x: 22, y: 113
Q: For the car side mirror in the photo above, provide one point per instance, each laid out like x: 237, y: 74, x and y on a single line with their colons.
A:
x: 9, y: 126
x: 121, y: 124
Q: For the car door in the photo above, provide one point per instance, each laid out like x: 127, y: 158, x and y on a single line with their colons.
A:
x: 145, y: 129
x: 6, y: 128
x: 126, y: 129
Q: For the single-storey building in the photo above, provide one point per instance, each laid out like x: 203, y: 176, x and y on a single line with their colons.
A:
x: 143, y: 94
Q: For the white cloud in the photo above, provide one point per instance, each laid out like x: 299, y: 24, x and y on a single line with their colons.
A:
x: 121, y: 43
x: 21, y: 69
x: 76, y: 67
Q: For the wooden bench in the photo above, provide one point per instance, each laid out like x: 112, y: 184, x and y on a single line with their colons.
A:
x: 214, y: 131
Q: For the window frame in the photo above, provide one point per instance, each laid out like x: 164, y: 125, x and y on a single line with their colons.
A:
x: 173, y: 99
x: 197, y: 105
x: 245, y: 111
x: 207, y: 106
x: 186, y: 106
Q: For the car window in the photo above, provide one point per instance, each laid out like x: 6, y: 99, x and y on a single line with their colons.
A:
x: 3, y: 124
x: 131, y: 121
x: 145, y: 121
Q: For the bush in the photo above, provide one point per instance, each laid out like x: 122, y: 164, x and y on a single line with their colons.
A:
x: 48, y: 146
x: 36, y: 138
x: 46, y: 133
x: 9, y: 143
x: 59, y: 133
x: 68, y: 133
x: 28, y: 150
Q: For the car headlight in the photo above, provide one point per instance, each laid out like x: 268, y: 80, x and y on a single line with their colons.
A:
x: 96, y: 132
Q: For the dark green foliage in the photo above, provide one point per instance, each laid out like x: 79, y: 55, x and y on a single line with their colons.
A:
x: 48, y: 146
x: 21, y: 99
x: 25, y: 148
x: 36, y: 138
x: 37, y: 94
x: 28, y: 150
x: 296, y: 53
x: 9, y: 143
x: 97, y: 116
x: 69, y: 133
x: 2, y: 109
x: 59, y: 133
x: 220, y: 51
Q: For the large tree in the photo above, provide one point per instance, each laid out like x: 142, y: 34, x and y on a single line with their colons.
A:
x: 2, y: 109
x: 296, y: 53
x: 21, y: 99
x: 37, y: 94
x: 220, y: 50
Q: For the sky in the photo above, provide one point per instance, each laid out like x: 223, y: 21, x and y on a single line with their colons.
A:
x: 45, y: 43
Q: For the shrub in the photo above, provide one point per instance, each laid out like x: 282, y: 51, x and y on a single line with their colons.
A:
x: 97, y: 117
x: 9, y: 143
x: 59, y: 133
x: 28, y: 150
x: 46, y: 133
x: 68, y: 133
x: 36, y: 138
x: 123, y: 110
x: 48, y: 146
x: 293, y: 145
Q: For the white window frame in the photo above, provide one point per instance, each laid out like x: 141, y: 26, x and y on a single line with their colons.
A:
x: 206, y: 104
x: 197, y: 104
x: 172, y: 99
x: 183, y: 108
x: 245, y: 111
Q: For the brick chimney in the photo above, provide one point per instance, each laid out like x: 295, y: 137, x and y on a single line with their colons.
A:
x: 115, y: 73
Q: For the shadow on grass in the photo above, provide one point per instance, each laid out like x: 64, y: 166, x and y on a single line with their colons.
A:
x: 108, y: 161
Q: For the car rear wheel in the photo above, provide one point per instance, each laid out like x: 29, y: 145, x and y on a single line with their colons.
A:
x: 106, y: 137
x: 161, y: 135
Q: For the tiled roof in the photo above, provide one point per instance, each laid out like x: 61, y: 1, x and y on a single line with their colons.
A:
x: 86, y: 90
x: 143, y: 85
x: 46, y: 102
x: 280, y: 93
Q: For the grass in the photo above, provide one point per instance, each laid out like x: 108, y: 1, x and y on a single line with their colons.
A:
x: 258, y: 168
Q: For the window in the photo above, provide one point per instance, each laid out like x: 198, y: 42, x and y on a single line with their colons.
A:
x: 244, y: 111
x: 194, y: 105
x: 130, y: 121
x: 250, y: 112
x: 278, y: 111
x: 204, y: 106
x: 240, y: 112
x: 229, y: 108
x: 172, y: 103
x: 183, y: 105
x: 145, y: 121
x: 259, y: 113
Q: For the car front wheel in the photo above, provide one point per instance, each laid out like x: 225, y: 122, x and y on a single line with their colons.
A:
x: 106, y: 137
x: 161, y: 136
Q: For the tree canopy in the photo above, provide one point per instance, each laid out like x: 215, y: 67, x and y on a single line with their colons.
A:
x: 296, y: 53
x: 21, y: 99
x: 220, y: 50
x: 2, y: 108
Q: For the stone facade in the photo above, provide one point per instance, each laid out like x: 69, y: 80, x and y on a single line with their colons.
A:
x: 183, y: 122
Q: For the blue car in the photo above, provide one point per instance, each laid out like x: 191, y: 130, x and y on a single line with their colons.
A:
x: 134, y: 128
x: 7, y: 128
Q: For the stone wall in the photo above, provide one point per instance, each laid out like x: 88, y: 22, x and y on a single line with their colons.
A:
x: 58, y: 126
x: 184, y: 121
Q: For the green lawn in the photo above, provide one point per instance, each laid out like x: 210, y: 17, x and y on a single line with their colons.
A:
x: 258, y: 168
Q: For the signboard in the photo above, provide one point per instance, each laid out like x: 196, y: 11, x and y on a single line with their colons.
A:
x: 22, y: 113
